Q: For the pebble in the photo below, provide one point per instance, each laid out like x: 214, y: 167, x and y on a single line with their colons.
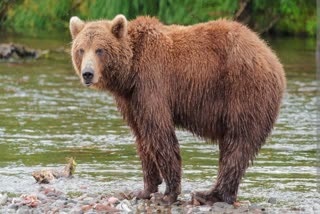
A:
x: 86, y: 202
x: 113, y: 200
x: 54, y: 201
x: 124, y: 206
x: 221, y: 207
x: 3, y: 199
x: 51, y: 194
x: 76, y: 210
x: 85, y: 208
x: 10, y: 211
x: 58, y: 203
x: 205, y: 209
x: 176, y: 210
x: 105, y: 208
x: 272, y: 200
x: 71, y: 201
x: 13, y: 206
x: 23, y: 210
x: 41, y: 197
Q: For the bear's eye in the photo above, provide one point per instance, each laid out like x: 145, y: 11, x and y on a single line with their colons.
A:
x: 81, y: 51
x: 99, y: 51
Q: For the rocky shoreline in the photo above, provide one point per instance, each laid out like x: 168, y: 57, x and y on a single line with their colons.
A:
x: 50, y: 200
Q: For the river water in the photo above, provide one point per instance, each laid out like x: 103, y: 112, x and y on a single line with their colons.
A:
x: 47, y: 115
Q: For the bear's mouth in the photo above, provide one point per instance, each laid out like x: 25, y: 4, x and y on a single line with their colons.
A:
x: 87, y: 84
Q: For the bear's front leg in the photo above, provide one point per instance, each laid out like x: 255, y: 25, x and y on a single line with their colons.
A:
x: 153, y: 121
x: 166, y: 152
x: 151, y: 175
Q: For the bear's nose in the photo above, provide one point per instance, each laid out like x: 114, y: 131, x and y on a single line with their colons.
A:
x: 87, y: 75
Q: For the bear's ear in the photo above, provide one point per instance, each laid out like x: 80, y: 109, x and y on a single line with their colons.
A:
x: 75, y: 25
x: 119, y: 26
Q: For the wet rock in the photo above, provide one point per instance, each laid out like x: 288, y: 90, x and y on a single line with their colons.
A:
x: 3, y: 199
x: 124, y: 206
x: 86, y: 208
x: 113, y: 200
x: 41, y: 197
x: 205, y: 209
x: 51, y: 194
x: 71, y: 201
x: 222, y: 207
x: 176, y: 210
x: 36, y: 211
x: 62, y: 197
x: 23, y: 210
x: 8, y: 51
x: 58, y: 203
x: 76, y: 210
x: 255, y: 207
x: 88, y: 200
x: 105, y: 208
x: 272, y: 200
x: 8, y: 211
x: 30, y: 200
x: 13, y: 206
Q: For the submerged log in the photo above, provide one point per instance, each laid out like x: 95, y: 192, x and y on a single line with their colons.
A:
x: 46, y: 175
x: 17, y: 51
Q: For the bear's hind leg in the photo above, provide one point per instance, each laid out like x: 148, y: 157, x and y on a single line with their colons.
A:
x: 151, y: 175
x: 235, y: 156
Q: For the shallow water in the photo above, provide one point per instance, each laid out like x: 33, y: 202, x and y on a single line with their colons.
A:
x: 47, y: 115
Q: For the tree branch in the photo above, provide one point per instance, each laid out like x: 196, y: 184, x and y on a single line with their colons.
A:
x: 242, y: 6
x: 270, y: 25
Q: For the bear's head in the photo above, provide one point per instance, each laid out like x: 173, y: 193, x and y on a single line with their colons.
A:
x: 101, y: 53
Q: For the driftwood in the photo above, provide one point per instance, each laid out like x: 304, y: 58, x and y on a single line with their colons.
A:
x: 16, y: 51
x: 46, y: 175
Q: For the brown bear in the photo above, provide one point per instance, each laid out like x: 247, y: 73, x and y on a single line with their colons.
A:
x: 215, y: 79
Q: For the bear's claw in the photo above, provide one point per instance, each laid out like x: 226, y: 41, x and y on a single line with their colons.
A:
x: 142, y: 194
x: 159, y: 198
x: 205, y: 198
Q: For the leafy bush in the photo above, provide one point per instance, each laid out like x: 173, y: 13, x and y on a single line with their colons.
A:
x: 275, y: 16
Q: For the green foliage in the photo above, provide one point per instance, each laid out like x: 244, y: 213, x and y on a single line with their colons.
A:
x: 278, y: 16
x: 43, y: 15
x: 298, y: 17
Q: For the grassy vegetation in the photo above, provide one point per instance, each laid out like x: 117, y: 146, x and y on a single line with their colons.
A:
x: 292, y: 17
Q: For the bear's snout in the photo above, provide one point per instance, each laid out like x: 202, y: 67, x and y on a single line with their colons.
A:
x: 87, y: 75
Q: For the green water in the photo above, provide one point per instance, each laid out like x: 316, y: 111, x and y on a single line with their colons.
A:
x: 47, y: 115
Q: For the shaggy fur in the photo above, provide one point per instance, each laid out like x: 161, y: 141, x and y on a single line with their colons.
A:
x: 215, y: 79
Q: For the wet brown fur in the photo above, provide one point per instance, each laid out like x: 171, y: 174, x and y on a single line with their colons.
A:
x: 215, y: 79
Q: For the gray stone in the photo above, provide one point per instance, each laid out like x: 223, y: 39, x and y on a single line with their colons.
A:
x: 41, y: 197
x: 176, y: 210
x: 85, y: 202
x: 71, y: 201
x: 24, y: 210
x: 222, y: 205
x: 9, y: 211
x: 124, y: 206
x: 58, y: 204
x: 3, y: 199
x: 51, y: 194
x: 272, y: 200
x: 13, y: 206
x: 76, y: 210
x: 205, y: 209
x: 35, y: 211
x: 62, y: 197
